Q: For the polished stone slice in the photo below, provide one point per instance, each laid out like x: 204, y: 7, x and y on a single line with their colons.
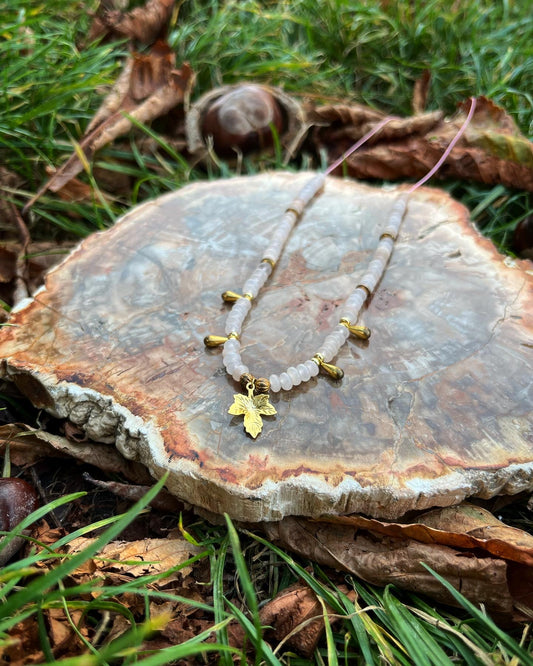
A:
x: 435, y: 407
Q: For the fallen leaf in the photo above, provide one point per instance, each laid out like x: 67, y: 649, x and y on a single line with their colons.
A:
x: 140, y: 558
x: 295, y: 617
x: 28, y: 445
x: 154, y: 88
x: 164, y: 501
x: 381, y: 560
x: 462, y: 526
x: 420, y: 92
x: 144, y: 24
x: 491, y: 151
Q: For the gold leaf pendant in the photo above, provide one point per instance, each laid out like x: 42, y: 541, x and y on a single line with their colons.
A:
x: 252, y: 406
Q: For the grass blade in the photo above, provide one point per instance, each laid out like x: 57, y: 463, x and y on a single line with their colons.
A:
x: 40, y: 585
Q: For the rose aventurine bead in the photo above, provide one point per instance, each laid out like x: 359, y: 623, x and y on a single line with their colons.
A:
x: 312, y: 367
x: 286, y: 381
x: 231, y: 345
x: 356, y: 299
x: 238, y: 371
x: 231, y: 363
x: 311, y: 188
x: 304, y: 373
x: 294, y: 375
x: 343, y: 332
x: 275, y: 384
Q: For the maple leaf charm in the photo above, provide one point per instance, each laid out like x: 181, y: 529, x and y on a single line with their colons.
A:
x: 252, y: 406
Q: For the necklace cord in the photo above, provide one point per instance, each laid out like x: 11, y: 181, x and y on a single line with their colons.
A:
x: 359, y: 143
x: 448, y: 150
x: 256, y: 403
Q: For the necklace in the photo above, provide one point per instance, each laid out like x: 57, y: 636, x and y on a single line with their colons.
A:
x: 254, y: 403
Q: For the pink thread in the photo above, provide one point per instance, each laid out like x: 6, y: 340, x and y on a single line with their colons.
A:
x: 359, y: 143
x: 448, y: 150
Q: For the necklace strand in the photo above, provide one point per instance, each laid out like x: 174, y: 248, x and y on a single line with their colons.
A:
x: 256, y: 402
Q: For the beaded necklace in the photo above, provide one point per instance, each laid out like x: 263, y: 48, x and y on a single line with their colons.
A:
x: 255, y: 403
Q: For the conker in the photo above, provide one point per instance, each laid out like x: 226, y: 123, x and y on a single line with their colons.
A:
x: 17, y: 500
x: 242, y: 120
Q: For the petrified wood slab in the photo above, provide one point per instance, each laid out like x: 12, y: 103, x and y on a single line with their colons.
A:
x: 434, y: 408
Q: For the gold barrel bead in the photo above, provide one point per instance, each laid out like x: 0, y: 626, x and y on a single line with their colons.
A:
x: 248, y: 296
x: 318, y: 359
x: 246, y: 379
x: 262, y: 385
x: 387, y: 235
x: 234, y: 336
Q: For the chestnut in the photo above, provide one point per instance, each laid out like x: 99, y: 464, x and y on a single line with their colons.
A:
x: 17, y: 500
x: 242, y: 119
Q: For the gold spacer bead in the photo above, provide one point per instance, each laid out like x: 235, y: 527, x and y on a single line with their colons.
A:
x: 234, y: 336
x: 215, y: 340
x: 268, y: 260
x: 230, y: 296
x: 361, y: 332
x: 386, y: 235
x: 364, y: 288
x: 293, y: 210
x: 318, y: 359
x: 248, y: 296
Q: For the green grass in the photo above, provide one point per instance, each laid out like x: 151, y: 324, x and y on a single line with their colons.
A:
x: 371, y: 626
x: 367, y: 52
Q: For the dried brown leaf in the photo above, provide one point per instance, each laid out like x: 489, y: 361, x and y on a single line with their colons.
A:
x: 131, y: 559
x: 491, y: 151
x: 164, y: 501
x: 381, y: 560
x: 420, y: 92
x: 462, y: 526
x: 28, y: 445
x: 151, y: 75
x: 23, y: 646
x: 144, y: 24
x: 295, y: 617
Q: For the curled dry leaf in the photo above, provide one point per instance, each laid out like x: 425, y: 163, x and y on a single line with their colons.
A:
x: 382, y: 560
x: 420, y: 92
x: 491, y: 151
x: 296, y: 617
x: 144, y: 24
x: 523, y: 238
x: 154, y: 88
x: 463, y: 526
x: 28, y: 445
x: 35, y: 258
x: 164, y: 501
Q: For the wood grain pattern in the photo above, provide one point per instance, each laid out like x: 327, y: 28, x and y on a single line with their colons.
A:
x: 435, y: 407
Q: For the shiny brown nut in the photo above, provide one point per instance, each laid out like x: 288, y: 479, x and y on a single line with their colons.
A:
x: 17, y: 500
x: 243, y: 119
